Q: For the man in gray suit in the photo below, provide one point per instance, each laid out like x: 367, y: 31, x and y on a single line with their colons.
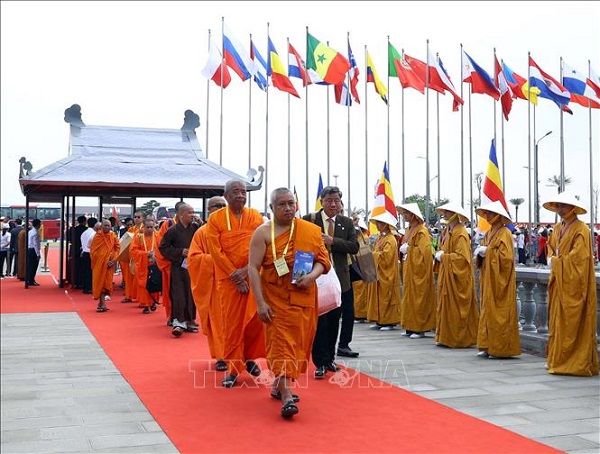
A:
x: 340, y: 239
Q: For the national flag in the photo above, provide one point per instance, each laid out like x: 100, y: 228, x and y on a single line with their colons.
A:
x: 549, y: 87
x: 353, y: 74
x: 581, y: 92
x: 439, y: 77
x: 297, y: 213
x: 236, y: 56
x: 455, y: 102
x: 277, y: 71
x: 296, y: 66
x: 594, y: 82
x: 480, y: 80
x: 342, y: 94
x: 261, y: 78
x: 329, y: 64
x: 506, y: 94
x: 399, y: 66
x: 384, y: 198
x: 215, y: 68
x: 318, y: 204
x: 373, y: 77
x: 519, y: 85
x: 492, y: 187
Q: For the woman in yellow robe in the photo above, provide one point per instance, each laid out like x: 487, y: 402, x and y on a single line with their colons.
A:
x: 360, y: 287
x: 498, y: 333
x: 384, y: 293
x: 457, y: 313
x: 572, y: 299
x: 418, y: 292
x: 143, y: 253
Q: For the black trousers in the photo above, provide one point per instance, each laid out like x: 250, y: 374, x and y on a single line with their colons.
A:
x: 86, y: 272
x: 328, y: 327
x: 32, y: 265
x: 3, y: 259
x: 15, y: 262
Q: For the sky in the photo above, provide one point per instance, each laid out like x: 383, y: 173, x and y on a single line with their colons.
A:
x: 139, y: 64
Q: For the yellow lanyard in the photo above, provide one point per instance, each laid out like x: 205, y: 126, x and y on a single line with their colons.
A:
x: 273, y: 239
x: 145, y: 246
x: 229, y: 220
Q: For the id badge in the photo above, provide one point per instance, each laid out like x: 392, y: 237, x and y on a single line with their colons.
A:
x: 281, y: 267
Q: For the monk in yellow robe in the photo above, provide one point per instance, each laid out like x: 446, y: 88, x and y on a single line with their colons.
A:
x: 418, y: 292
x: 572, y: 298
x: 457, y: 314
x: 143, y: 253
x: 360, y: 287
x: 289, y: 311
x: 204, y: 288
x: 104, y: 251
x: 229, y: 231
x: 384, y: 306
x: 165, y: 265
x: 498, y: 332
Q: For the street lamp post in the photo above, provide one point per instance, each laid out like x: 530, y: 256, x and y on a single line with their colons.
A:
x: 535, y: 183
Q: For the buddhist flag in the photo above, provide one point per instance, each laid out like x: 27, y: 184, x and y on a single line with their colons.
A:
x: 318, y: 204
x: 384, y: 199
x: 329, y: 64
x: 492, y: 187
x: 278, y: 72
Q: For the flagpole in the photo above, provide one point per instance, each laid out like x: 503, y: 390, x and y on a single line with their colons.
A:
x: 328, y: 157
x: 308, y: 210
x: 462, y: 143
x: 535, y: 173
x: 366, y: 141
x: 471, y: 162
x: 348, y: 107
x: 502, y: 120
x: 591, y: 160
x: 495, y: 121
x: 562, y: 141
x: 267, y: 170
x: 427, y: 139
x: 437, y: 101
x: 529, y: 137
x: 289, y: 156
x: 250, y: 125
x: 221, y: 118
x: 388, y: 126
x: 402, y: 129
x: 208, y: 96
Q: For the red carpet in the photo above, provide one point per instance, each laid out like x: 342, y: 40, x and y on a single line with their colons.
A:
x: 171, y: 377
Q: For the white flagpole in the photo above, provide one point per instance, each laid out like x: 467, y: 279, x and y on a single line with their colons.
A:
x: 427, y: 195
x: 592, y: 211
x: 366, y: 142
x: 437, y: 100
x: 496, y: 141
x: 348, y: 107
x: 267, y: 170
x: 462, y: 143
x: 250, y: 124
x: 562, y: 142
x: 328, y: 156
x: 308, y: 210
x: 208, y: 96
x: 289, y: 144
x: 529, y: 139
x: 221, y: 118
x: 402, y: 128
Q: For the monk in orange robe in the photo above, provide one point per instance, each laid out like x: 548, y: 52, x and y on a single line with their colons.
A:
x: 143, y: 253
x: 165, y: 265
x: 572, y: 299
x: 135, y: 228
x: 289, y: 311
x: 498, y: 332
x: 104, y: 251
x: 418, y: 292
x: 229, y: 231
x: 457, y: 314
x: 204, y: 288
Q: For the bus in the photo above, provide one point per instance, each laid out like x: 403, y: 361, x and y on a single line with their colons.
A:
x: 49, y: 215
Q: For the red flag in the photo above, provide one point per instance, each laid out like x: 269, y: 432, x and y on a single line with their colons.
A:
x: 506, y: 94
x: 215, y: 68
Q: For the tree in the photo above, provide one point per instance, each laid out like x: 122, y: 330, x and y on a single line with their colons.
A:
x: 148, y: 207
x: 422, y: 200
x: 555, y: 181
x: 478, y: 179
x: 516, y: 203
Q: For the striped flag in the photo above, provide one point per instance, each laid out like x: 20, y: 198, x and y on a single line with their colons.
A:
x: 260, y: 77
x: 373, y: 77
x: 353, y: 73
x: 384, y: 198
x: 492, y: 187
x: 318, y: 204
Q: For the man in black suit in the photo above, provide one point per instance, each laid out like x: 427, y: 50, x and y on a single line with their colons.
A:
x: 75, y: 238
x: 339, y: 237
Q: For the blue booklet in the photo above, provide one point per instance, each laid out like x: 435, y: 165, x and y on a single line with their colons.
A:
x: 303, y: 264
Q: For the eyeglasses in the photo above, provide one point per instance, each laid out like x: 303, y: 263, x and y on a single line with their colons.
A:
x: 217, y: 205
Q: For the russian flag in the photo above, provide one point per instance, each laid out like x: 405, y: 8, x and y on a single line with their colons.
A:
x: 236, y: 57
x: 581, y: 92
x: 480, y: 80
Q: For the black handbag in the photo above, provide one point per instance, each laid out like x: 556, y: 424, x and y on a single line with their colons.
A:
x: 154, y: 282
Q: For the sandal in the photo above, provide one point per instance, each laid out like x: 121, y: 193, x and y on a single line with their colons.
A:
x: 277, y: 395
x: 101, y: 309
x: 289, y: 409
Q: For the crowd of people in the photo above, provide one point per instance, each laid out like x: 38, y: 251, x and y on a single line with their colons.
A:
x: 231, y: 277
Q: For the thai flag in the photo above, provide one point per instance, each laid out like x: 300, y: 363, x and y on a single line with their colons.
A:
x: 296, y: 66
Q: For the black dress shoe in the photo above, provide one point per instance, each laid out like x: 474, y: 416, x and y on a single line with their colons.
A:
x: 320, y: 372
x: 347, y: 352
x: 35, y: 284
x: 221, y: 366
x: 252, y: 368
x: 333, y: 367
x: 229, y: 381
